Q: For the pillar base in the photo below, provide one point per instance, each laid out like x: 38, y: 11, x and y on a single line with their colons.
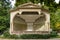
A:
x: 29, y: 26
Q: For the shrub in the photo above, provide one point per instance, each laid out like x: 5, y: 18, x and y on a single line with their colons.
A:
x: 34, y: 36
x: 14, y: 36
x: 53, y: 34
x: 7, y: 35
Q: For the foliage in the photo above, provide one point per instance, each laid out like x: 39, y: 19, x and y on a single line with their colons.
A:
x: 53, y: 34
x: 7, y: 35
x: 52, y: 21
x: 4, y: 15
x: 57, y: 19
x: 35, y: 36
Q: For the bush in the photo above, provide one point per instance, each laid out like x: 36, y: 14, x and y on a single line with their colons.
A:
x: 34, y: 36
x: 7, y: 35
x: 53, y: 34
x: 14, y: 36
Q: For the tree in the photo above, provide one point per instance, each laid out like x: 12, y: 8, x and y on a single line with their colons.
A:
x: 57, y: 19
x: 4, y: 15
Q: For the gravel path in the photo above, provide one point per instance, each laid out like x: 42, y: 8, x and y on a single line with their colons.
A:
x: 32, y: 39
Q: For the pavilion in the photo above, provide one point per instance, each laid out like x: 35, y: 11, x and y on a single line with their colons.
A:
x: 29, y: 18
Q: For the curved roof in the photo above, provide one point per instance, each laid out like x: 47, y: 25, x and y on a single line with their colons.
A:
x: 28, y: 6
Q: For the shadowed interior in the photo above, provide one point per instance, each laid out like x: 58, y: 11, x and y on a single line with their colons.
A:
x: 20, y: 24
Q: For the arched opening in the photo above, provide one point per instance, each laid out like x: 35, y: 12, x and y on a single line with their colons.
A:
x: 19, y: 24
x: 23, y: 22
x: 39, y: 22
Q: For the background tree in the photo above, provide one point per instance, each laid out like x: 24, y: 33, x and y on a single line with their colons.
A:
x: 4, y: 15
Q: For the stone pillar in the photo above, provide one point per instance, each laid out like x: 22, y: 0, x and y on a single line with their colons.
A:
x: 47, y: 23
x: 12, y: 15
x: 29, y: 26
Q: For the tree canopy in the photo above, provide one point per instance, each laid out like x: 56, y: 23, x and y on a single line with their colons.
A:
x: 4, y: 15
